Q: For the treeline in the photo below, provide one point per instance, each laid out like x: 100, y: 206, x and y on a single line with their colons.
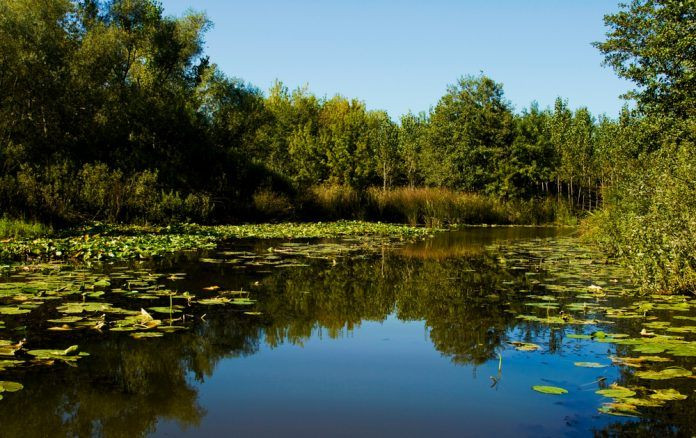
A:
x: 111, y: 110
x: 649, y: 217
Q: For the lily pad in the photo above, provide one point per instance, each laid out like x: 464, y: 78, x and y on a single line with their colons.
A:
x: 142, y: 335
x: 616, y: 391
x: 6, y: 386
x: 667, y: 373
x: 525, y: 346
x: 554, y: 390
x: 667, y: 394
x: 589, y: 365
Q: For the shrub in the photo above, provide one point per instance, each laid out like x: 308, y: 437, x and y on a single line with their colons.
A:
x: 649, y: 221
x: 333, y: 201
x: 272, y: 205
x: 15, y: 228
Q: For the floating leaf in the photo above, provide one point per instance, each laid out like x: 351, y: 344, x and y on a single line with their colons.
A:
x: 620, y: 409
x: 589, y: 365
x: 524, y: 346
x: 667, y: 394
x: 667, y: 373
x: 214, y: 301
x: 549, y: 389
x: 13, y: 310
x: 616, y: 391
x: 142, y: 335
x: 6, y: 386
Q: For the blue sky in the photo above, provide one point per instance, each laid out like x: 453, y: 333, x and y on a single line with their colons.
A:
x: 400, y: 55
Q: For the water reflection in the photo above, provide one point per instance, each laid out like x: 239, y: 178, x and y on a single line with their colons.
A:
x: 466, y: 295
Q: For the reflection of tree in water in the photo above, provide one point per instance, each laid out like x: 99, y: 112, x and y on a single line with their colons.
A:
x: 468, y: 305
x: 465, y: 302
x: 125, y: 386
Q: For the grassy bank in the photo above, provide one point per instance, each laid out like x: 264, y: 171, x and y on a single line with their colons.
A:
x: 105, y: 242
x: 16, y: 228
x: 433, y: 207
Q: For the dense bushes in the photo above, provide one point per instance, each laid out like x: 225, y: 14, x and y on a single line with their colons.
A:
x: 430, y: 206
x: 63, y: 194
x: 650, y: 220
x: 649, y: 215
x: 15, y: 228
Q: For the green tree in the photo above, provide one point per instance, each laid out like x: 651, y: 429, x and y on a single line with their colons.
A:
x: 384, y: 136
x: 412, y: 137
x: 471, y: 129
x: 651, y: 43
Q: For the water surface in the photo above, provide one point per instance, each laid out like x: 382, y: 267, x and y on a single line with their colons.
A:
x: 407, y: 340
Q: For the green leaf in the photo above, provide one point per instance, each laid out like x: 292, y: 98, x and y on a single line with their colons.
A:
x: 667, y: 373
x: 555, y: 390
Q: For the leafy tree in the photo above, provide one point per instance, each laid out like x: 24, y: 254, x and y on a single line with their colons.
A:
x: 412, y: 137
x: 384, y: 136
x: 529, y: 167
x: 651, y: 43
x: 471, y: 128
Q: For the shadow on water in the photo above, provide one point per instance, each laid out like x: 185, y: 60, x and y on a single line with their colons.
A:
x: 370, y: 344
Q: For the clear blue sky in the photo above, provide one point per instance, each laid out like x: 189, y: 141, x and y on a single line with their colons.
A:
x: 400, y: 55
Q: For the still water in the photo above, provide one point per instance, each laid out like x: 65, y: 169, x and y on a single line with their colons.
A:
x: 418, y: 339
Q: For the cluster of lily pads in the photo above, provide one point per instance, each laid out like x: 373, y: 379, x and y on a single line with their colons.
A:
x: 292, y: 254
x: 120, y: 242
x: 55, y: 298
x: 572, y: 287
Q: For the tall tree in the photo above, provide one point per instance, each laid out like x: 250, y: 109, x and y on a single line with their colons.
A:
x: 651, y: 43
x: 471, y: 128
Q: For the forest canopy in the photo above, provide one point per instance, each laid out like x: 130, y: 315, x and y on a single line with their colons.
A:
x: 111, y: 110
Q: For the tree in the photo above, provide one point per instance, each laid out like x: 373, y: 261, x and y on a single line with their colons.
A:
x: 529, y: 167
x: 384, y: 136
x: 471, y: 128
x: 412, y: 138
x: 651, y: 43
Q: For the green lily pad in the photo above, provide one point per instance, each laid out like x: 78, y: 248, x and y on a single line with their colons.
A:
x: 616, y: 391
x: 70, y: 354
x: 619, y: 409
x: 13, y: 310
x: 667, y: 373
x: 554, y: 390
x: 667, y: 394
x: 166, y: 310
x: 524, y: 346
x: 589, y: 365
x: 142, y: 335
x: 6, y: 386
x: 214, y: 301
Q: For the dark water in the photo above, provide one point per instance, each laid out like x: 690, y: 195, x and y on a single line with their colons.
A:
x: 406, y: 341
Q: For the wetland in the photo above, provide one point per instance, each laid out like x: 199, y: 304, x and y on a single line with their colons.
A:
x: 521, y: 331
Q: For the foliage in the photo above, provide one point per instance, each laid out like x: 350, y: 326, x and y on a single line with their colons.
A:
x: 648, y: 219
x: 650, y: 42
x: 102, y: 242
x: 111, y: 111
x: 13, y: 228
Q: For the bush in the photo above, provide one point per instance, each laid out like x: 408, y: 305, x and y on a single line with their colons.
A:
x: 649, y: 221
x: 333, y: 202
x: 14, y: 228
x: 432, y: 207
x: 272, y: 205
x: 62, y: 194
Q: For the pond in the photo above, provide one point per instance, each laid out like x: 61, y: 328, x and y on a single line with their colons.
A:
x: 510, y: 331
